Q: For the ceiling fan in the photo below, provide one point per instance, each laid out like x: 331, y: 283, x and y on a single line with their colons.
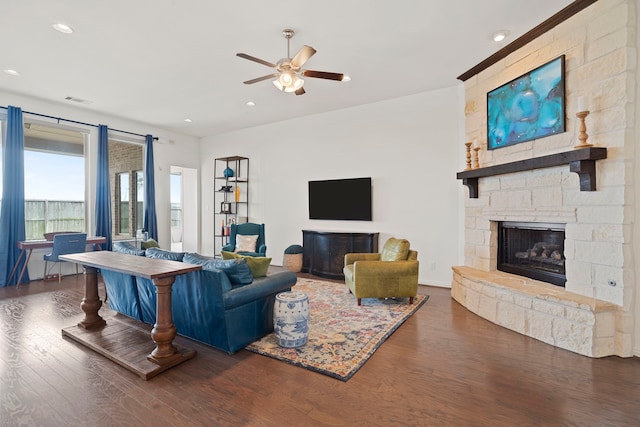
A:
x: 288, y: 77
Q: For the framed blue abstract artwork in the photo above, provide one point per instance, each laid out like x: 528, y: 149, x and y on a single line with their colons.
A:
x: 529, y: 107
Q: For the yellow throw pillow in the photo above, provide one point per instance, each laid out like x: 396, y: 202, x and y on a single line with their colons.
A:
x: 258, y: 265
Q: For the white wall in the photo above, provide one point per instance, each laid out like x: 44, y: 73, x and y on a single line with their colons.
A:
x: 410, y: 147
x: 171, y: 149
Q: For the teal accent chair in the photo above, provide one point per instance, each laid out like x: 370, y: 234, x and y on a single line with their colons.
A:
x: 247, y: 229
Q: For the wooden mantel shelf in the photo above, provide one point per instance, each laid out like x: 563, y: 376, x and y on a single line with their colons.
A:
x: 581, y: 161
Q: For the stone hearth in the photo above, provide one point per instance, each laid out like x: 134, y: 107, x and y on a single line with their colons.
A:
x: 539, y: 310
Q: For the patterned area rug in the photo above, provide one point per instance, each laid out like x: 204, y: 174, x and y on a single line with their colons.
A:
x: 342, y: 336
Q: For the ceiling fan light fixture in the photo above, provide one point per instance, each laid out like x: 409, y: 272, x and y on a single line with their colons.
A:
x: 288, y: 82
x: 278, y: 85
x: 288, y: 70
x: 296, y: 83
x: 285, y: 79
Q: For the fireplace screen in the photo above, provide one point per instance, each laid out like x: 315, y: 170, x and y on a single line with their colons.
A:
x: 534, y: 250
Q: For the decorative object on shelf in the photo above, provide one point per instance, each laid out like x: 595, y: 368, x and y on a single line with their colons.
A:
x: 531, y: 106
x: 225, y: 207
x: 228, y: 173
x: 237, y: 193
x: 291, y: 319
x: 476, y: 158
x: 582, y: 114
x: 225, y: 188
x: 468, y: 145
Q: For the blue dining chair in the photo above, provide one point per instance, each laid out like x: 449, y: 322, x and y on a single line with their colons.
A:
x: 63, y: 244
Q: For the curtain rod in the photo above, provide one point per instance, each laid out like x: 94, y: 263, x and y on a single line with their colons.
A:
x: 155, y: 138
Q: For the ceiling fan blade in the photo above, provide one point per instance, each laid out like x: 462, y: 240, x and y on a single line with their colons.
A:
x: 303, y: 56
x: 254, y: 59
x: 323, y: 75
x: 300, y: 91
x: 259, y: 79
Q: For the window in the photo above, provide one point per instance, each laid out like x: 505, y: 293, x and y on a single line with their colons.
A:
x: 139, y: 175
x: 127, y: 188
x: 54, y: 175
x: 122, y: 196
x: 130, y: 202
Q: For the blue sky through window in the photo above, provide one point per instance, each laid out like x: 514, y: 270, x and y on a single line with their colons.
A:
x: 53, y: 176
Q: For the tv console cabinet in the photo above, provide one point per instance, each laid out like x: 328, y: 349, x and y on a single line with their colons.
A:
x: 324, y: 250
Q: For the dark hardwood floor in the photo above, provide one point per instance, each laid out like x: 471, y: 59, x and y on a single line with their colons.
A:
x: 443, y: 367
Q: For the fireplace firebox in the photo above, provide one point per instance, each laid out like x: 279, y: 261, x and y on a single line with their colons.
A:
x: 532, y: 249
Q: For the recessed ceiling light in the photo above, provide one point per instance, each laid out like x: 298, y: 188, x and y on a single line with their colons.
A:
x: 188, y: 120
x: 251, y: 103
x: 12, y: 72
x: 62, y: 28
x: 346, y: 78
x: 498, y: 36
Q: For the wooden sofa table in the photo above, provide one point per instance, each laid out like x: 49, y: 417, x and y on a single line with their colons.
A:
x: 119, y: 341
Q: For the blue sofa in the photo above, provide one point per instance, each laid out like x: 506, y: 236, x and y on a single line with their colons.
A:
x: 208, y: 305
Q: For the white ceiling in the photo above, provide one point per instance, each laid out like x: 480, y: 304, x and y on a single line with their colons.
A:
x: 161, y: 61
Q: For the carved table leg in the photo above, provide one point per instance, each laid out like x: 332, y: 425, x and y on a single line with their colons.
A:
x: 164, y: 331
x: 91, y: 302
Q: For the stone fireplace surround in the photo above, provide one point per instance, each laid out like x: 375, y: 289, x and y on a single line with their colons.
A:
x: 594, y: 314
x: 579, y: 323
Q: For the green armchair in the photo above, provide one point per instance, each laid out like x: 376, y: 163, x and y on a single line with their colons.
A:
x: 392, y: 273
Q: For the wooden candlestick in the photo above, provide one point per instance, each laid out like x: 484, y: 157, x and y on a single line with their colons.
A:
x: 582, y: 132
x: 476, y: 159
x: 468, y: 145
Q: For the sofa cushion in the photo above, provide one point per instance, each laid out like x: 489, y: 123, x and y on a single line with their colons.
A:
x: 395, y: 250
x: 258, y: 265
x: 127, y: 248
x: 237, y: 269
x: 246, y: 243
x: 163, y: 254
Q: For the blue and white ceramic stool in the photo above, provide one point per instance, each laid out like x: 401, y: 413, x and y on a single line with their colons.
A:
x: 291, y: 319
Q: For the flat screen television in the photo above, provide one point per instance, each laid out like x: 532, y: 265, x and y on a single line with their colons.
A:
x: 340, y: 199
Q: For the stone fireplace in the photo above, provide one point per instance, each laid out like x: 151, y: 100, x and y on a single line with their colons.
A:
x: 588, y: 205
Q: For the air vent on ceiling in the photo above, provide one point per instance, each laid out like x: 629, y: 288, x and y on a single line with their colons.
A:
x: 78, y: 100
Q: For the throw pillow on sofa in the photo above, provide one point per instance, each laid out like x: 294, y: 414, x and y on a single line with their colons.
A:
x: 237, y: 270
x: 246, y: 243
x: 258, y: 265
x: 163, y: 254
x: 151, y: 243
x: 127, y: 248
